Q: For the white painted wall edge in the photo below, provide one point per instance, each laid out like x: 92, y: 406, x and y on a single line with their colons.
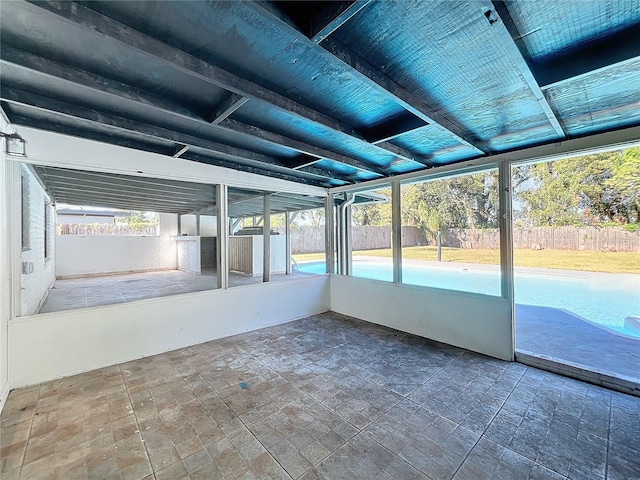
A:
x: 4, y: 394
x: 49, y: 346
x: 479, y: 323
x: 58, y: 150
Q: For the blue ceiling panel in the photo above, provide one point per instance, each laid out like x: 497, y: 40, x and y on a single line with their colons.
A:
x: 264, y: 116
x: 451, y: 57
x: 550, y: 26
x: 607, y: 99
x: 388, y: 87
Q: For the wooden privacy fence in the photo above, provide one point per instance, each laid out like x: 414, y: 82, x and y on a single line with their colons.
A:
x: 594, y: 239
x: 311, y: 239
x: 612, y: 239
x: 104, y: 229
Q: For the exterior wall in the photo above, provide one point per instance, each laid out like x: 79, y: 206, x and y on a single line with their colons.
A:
x: 53, y: 345
x: 79, y: 255
x: 476, y: 322
x: 5, y: 278
x: 40, y: 271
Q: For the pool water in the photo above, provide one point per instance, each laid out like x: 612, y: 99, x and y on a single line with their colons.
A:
x: 604, y: 299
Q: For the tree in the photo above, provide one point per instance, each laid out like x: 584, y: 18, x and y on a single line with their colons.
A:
x: 586, y: 190
x: 625, y: 181
x: 469, y: 201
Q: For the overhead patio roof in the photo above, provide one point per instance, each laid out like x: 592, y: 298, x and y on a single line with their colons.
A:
x: 323, y: 93
x: 127, y: 192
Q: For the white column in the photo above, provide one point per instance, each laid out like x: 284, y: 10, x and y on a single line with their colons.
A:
x: 396, y: 232
x: 329, y: 234
x: 287, y: 240
x: 506, y: 243
x: 266, y: 234
x: 348, y: 244
x: 222, y: 236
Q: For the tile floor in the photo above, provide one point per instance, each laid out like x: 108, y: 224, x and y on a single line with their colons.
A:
x: 541, y: 331
x: 74, y: 293
x: 327, y: 397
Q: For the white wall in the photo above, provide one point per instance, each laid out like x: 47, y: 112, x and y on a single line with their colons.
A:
x: 102, y: 254
x: 476, y: 322
x: 53, y: 345
x: 41, y: 271
x: 5, y: 269
x: 208, y: 225
x: 189, y: 254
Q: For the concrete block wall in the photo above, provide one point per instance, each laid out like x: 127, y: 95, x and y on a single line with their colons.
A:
x: 38, y: 272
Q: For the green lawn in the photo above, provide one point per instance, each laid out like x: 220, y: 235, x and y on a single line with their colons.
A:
x: 611, y: 262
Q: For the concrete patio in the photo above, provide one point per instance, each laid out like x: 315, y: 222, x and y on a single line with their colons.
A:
x: 546, y: 336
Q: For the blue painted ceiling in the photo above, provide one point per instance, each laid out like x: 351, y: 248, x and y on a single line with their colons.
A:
x: 324, y: 93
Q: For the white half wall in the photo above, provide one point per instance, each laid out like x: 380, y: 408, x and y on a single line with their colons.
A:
x: 476, y: 322
x: 78, y: 255
x: 48, y: 346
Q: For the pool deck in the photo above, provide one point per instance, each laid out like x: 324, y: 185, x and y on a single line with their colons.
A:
x: 547, y: 335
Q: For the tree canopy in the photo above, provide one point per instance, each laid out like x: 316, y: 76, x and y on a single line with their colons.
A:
x: 598, y: 189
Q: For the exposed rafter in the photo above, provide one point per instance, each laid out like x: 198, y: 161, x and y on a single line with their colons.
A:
x: 229, y: 105
x: 502, y: 25
x: 180, y: 150
x: 385, y: 85
x: 186, y: 63
x: 226, y: 152
x: 332, y: 18
x: 124, y: 191
x: 302, y: 147
x: 56, y: 72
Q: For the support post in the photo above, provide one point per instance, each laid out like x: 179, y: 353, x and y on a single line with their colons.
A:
x: 287, y: 239
x: 329, y: 234
x: 439, y: 240
x: 266, y: 234
x: 179, y: 224
x: 506, y: 243
x: 396, y: 232
x: 197, y: 224
x: 348, y: 244
x: 222, y: 236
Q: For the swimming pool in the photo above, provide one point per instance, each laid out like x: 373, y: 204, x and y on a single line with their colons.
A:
x: 605, y: 299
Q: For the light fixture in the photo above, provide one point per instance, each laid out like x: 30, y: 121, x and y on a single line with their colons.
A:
x: 15, y: 144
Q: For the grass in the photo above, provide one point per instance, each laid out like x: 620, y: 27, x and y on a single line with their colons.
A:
x: 610, y: 262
